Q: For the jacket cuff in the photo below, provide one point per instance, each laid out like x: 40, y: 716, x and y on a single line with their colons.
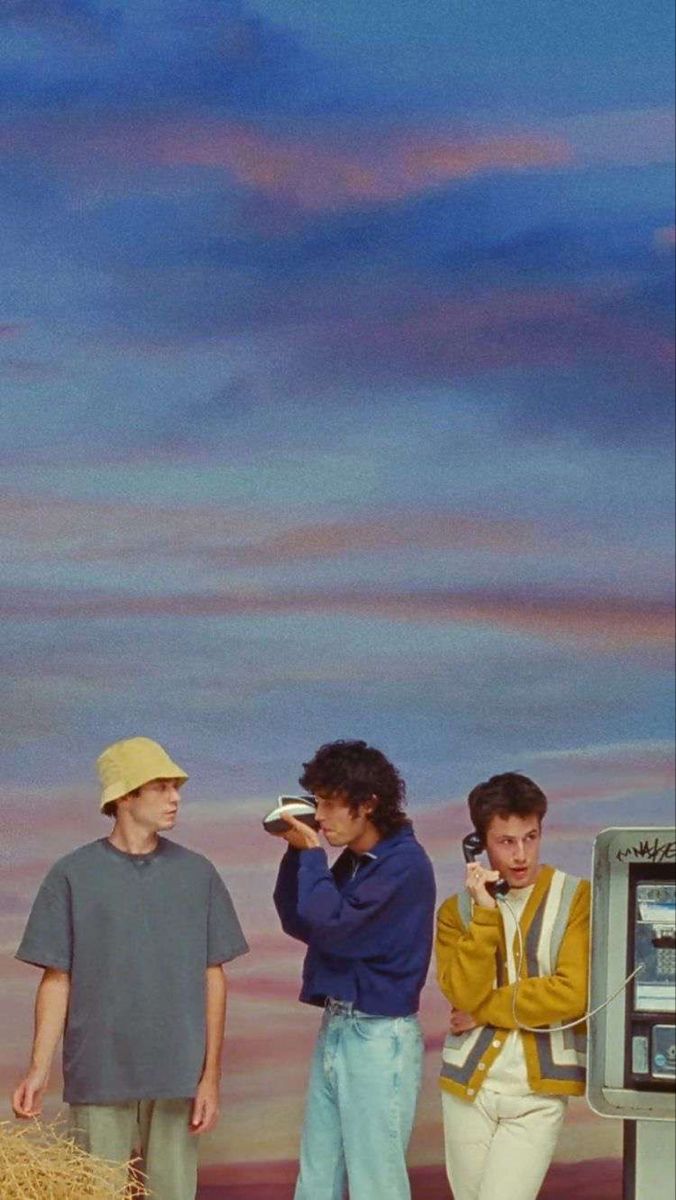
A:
x: 314, y: 859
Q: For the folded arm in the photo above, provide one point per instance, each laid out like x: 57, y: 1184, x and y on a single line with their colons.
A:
x: 466, y: 955
x: 547, y: 999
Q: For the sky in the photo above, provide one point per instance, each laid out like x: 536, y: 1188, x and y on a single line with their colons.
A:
x: 336, y: 366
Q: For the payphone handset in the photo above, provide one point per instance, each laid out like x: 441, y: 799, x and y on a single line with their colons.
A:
x: 472, y: 847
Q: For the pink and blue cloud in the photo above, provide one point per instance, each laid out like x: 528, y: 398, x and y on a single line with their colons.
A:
x: 336, y: 346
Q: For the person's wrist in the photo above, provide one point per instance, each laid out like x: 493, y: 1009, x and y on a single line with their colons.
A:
x: 40, y: 1068
x: 211, y: 1075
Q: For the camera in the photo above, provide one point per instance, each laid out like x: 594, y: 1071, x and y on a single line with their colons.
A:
x: 303, y: 808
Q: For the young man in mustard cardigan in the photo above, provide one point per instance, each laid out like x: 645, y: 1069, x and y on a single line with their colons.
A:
x: 505, y: 1088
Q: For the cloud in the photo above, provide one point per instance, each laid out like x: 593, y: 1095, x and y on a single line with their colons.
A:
x: 321, y: 170
x: 117, y: 56
x: 603, y: 755
x: 314, y: 175
x: 28, y: 371
x: 606, y: 622
x: 384, y: 534
x: 50, y: 528
x: 631, y: 137
x: 70, y: 18
x: 364, y: 254
x: 445, y: 338
x: 315, y: 172
x: 611, y: 772
x: 593, y: 776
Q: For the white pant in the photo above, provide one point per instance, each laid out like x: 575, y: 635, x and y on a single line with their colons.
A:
x: 499, y: 1147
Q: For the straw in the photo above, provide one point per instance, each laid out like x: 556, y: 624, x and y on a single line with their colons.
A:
x: 38, y: 1163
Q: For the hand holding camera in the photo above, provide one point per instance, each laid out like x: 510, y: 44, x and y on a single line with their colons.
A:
x: 294, y: 819
x: 301, y: 836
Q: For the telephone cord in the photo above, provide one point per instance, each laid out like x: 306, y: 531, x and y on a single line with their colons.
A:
x: 517, y: 971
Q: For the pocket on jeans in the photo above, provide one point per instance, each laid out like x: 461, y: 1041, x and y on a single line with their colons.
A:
x: 373, y: 1029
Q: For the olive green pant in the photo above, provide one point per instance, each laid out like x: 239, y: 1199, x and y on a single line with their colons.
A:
x: 158, y: 1130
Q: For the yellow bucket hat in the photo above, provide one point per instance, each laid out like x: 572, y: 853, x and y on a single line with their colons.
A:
x: 129, y: 764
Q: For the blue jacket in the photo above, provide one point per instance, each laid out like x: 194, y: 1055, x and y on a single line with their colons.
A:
x: 369, y: 934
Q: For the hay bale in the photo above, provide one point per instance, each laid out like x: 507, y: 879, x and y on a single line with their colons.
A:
x: 39, y: 1163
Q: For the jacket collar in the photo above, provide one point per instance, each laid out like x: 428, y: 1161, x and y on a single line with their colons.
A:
x: 386, y: 844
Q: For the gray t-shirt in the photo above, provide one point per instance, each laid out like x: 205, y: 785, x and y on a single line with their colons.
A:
x: 136, y: 932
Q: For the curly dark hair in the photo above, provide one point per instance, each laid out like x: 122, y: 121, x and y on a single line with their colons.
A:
x: 505, y: 795
x: 359, y: 773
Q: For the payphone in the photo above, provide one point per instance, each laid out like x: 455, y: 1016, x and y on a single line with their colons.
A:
x: 632, y: 1039
x: 650, y: 1062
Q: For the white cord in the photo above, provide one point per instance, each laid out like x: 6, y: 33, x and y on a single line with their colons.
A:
x: 517, y: 972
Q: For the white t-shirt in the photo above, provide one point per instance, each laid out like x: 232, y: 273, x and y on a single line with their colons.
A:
x: 508, y: 1073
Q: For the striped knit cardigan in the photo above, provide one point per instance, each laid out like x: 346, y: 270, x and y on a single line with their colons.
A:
x: 472, y: 973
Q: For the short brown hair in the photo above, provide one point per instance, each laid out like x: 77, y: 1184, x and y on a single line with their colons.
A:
x: 110, y: 809
x: 510, y: 794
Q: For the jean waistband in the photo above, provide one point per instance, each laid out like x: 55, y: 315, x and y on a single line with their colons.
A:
x: 346, y: 1008
x: 339, y: 1008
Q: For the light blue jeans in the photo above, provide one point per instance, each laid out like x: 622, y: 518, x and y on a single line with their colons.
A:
x: 364, y: 1082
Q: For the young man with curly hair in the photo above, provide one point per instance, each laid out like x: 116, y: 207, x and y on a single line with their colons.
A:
x: 504, y: 1088
x: 368, y: 926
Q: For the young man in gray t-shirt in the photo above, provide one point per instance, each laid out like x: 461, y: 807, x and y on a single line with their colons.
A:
x: 131, y: 932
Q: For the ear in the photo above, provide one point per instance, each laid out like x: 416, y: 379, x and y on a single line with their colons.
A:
x: 370, y: 806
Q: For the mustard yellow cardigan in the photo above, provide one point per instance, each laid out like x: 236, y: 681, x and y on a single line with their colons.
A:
x: 472, y: 974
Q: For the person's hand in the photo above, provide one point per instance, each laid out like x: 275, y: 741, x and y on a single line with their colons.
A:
x: 461, y: 1022
x: 298, y: 835
x: 205, y: 1106
x: 27, y: 1098
x: 475, y: 881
